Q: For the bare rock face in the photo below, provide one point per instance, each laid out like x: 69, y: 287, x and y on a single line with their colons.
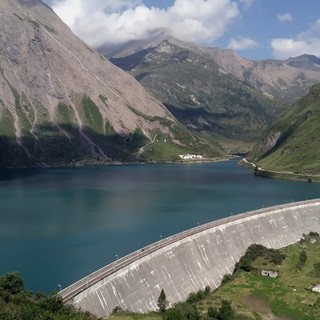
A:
x: 62, y: 102
x: 270, y: 141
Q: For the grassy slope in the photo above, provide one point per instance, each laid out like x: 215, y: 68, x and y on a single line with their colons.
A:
x: 287, y: 297
x: 298, y: 149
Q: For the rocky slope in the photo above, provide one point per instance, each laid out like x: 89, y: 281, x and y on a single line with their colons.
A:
x: 200, y: 93
x: 292, y: 145
x: 305, y: 61
x: 62, y: 103
x: 286, y: 80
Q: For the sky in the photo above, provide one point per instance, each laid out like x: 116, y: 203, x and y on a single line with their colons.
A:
x: 255, y: 29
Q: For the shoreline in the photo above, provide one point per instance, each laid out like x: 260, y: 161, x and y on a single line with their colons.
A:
x: 119, y: 163
x: 278, y: 174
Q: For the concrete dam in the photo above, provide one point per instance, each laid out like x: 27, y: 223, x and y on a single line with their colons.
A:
x: 190, y: 260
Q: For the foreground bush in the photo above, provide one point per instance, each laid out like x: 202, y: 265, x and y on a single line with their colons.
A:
x: 17, y: 303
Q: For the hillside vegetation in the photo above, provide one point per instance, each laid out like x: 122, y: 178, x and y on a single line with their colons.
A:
x: 292, y: 145
x: 201, y: 95
x: 18, y: 303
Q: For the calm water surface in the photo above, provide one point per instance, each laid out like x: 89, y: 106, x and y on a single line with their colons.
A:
x: 58, y: 225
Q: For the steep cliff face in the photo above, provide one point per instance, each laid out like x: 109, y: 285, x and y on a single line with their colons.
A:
x: 63, y: 103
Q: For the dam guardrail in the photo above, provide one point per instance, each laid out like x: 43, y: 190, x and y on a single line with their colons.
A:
x: 83, y: 284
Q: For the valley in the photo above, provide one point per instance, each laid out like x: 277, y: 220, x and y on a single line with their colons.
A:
x: 64, y: 104
x: 130, y: 141
x: 216, y: 92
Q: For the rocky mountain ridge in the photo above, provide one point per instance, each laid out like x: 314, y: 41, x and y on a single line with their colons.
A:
x: 305, y: 61
x: 62, y: 103
x: 200, y: 93
x: 286, y: 80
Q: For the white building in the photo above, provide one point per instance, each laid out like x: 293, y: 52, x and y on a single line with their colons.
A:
x: 191, y: 156
x: 316, y: 288
x: 271, y: 274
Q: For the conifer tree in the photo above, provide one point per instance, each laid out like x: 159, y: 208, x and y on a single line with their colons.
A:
x: 162, y: 301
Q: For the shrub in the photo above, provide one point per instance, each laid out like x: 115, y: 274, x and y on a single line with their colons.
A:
x: 192, y: 298
x: 207, y: 290
x: 116, y: 310
x: 201, y: 294
x: 255, y: 251
x: 301, y: 259
x: 173, y: 314
x: 317, y: 269
x: 213, y: 313
x: 52, y: 304
x: 226, y: 312
x: 12, y: 282
x: 226, y: 278
x: 189, y: 311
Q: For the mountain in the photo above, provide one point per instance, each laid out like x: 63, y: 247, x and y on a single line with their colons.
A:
x: 285, y: 80
x: 292, y: 145
x: 199, y: 93
x: 133, y: 46
x: 63, y: 103
x: 305, y: 61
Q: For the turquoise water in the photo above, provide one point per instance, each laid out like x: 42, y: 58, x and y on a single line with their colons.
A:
x: 58, y: 225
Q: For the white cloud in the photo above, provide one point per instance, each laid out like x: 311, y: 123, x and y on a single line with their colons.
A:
x: 307, y: 42
x: 242, y: 43
x: 116, y: 21
x: 286, y: 17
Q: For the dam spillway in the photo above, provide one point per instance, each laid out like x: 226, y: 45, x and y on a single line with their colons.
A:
x: 190, y: 260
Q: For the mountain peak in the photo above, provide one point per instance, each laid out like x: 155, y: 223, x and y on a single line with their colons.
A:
x: 305, y: 57
x: 305, y: 61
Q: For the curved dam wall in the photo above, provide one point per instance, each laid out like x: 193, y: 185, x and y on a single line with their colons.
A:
x: 190, y: 260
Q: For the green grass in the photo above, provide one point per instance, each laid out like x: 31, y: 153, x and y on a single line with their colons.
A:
x: 163, y: 148
x: 6, y: 122
x: 298, y: 148
x: 123, y: 315
x: 91, y: 115
x: 65, y: 114
x: 288, y: 295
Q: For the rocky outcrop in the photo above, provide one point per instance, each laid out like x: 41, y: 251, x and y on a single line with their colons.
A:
x: 270, y: 141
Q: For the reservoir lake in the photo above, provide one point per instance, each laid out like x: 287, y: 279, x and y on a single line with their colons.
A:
x: 59, y: 225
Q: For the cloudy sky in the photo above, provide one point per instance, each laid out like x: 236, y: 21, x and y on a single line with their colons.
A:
x: 256, y: 29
